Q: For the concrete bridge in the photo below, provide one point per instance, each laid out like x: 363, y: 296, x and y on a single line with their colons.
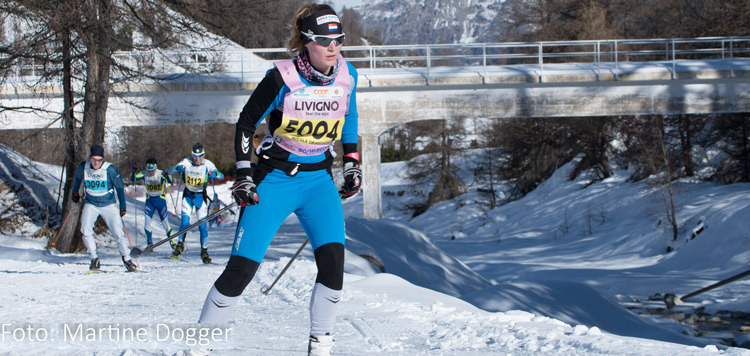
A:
x: 389, y: 97
x: 709, y: 90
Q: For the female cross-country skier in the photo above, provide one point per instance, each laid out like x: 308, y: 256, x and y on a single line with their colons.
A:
x: 103, y: 186
x: 156, y: 182
x: 309, y: 103
x: 197, y: 171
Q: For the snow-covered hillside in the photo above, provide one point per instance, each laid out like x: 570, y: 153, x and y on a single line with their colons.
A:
x: 509, y: 283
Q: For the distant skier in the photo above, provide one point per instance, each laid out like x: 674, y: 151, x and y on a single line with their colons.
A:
x: 101, y: 181
x: 216, y: 205
x: 197, y: 171
x: 308, y: 103
x: 156, y: 182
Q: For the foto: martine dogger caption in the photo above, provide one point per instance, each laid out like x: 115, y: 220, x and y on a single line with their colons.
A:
x: 115, y: 336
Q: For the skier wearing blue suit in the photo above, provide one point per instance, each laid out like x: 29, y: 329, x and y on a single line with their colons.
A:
x: 156, y: 182
x: 308, y: 103
x: 103, y: 187
x: 197, y: 171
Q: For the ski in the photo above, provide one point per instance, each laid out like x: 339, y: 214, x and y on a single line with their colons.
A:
x: 136, y: 252
x: 175, y: 258
x: 102, y: 271
x: 94, y: 271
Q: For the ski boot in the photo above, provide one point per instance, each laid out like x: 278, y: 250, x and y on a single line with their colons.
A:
x: 172, y: 242
x: 94, y: 266
x: 149, y: 245
x: 204, y: 256
x: 178, y: 250
x: 320, y: 345
x: 129, y: 265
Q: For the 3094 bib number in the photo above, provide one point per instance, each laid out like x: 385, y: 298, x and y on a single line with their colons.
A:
x: 96, y: 184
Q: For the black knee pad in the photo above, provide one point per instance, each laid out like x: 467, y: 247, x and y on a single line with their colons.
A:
x: 330, y: 261
x: 236, y: 276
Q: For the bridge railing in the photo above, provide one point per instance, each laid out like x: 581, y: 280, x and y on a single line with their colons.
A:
x: 433, y: 60
x: 600, y: 54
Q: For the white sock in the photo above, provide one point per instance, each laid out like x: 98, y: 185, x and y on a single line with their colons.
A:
x: 218, y: 308
x: 323, y: 307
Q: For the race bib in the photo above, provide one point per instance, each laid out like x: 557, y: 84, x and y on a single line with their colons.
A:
x: 311, y: 131
x: 195, y: 177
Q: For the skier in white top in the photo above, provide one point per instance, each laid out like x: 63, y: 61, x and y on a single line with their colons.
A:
x: 103, y: 189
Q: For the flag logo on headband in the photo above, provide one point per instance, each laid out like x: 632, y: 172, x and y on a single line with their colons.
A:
x: 333, y: 27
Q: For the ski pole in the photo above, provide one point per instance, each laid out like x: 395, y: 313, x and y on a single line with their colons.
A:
x: 671, y: 300
x: 135, y: 196
x: 212, y: 202
x: 52, y: 244
x: 59, y: 186
x: 267, y: 289
x: 129, y: 243
x: 171, y: 197
x: 179, y: 187
x: 137, y: 252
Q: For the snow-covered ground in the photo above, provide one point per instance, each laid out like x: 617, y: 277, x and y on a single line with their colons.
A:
x: 546, y: 275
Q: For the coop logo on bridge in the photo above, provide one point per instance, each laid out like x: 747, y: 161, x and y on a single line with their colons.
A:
x: 115, y: 336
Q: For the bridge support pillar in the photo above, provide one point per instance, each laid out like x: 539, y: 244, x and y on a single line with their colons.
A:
x: 371, y: 198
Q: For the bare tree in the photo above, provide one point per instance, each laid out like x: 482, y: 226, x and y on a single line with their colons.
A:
x: 77, y: 41
x: 648, y: 145
x: 533, y: 149
x: 441, y: 141
x: 734, y: 132
x: 684, y: 131
x: 593, y: 138
x: 485, y: 163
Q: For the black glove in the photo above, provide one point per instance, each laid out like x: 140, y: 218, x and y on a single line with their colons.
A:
x: 122, y: 212
x: 75, y: 197
x: 352, y: 180
x: 135, y: 167
x: 243, y: 191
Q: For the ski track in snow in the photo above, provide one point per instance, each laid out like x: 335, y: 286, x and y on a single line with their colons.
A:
x: 380, y: 313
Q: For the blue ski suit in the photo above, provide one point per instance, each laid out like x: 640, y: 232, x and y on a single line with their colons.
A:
x: 292, y: 183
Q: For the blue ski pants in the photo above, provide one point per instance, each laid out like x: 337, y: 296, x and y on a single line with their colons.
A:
x: 312, y: 196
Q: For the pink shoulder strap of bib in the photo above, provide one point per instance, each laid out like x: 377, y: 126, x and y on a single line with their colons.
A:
x: 290, y: 75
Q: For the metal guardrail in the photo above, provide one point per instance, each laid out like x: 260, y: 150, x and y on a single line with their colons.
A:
x: 597, y: 53
x: 250, y: 65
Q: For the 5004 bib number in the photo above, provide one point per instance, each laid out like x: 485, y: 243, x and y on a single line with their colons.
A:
x: 312, y: 131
